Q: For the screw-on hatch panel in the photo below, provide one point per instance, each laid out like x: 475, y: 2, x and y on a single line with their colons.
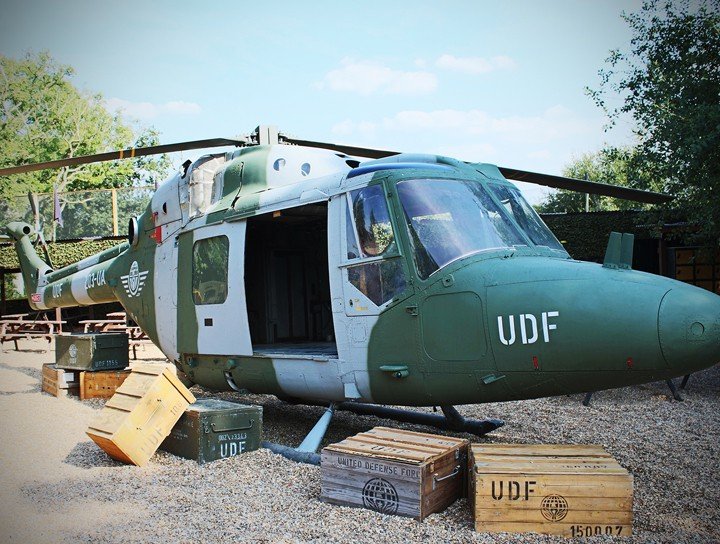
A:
x: 452, y: 327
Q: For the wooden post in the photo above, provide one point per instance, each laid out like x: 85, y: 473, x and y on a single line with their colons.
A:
x: 35, y: 209
x: 2, y: 292
x: 58, y: 318
x: 113, y: 194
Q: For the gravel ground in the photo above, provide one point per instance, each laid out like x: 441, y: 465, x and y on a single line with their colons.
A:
x: 57, y: 486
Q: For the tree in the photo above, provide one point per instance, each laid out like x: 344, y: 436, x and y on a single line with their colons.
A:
x: 669, y: 84
x: 614, y: 165
x: 44, y: 117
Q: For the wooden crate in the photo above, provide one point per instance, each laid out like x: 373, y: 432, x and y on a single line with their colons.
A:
x: 59, y: 382
x: 571, y: 491
x: 102, y: 384
x: 140, y: 414
x: 394, y: 471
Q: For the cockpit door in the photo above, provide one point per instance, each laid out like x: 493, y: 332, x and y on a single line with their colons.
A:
x: 368, y: 279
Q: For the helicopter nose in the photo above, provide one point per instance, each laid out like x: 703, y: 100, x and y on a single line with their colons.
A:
x: 689, y: 328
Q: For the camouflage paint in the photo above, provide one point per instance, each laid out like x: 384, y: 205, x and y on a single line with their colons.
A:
x: 31, y: 265
x: 576, y: 326
x: 187, y: 335
x: 103, y: 256
x: 254, y: 374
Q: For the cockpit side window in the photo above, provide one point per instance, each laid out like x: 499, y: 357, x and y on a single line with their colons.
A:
x: 525, y: 216
x: 370, y: 237
x: 372, y: 221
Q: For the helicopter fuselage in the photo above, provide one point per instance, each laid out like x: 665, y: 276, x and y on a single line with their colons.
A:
x: 416, y: 280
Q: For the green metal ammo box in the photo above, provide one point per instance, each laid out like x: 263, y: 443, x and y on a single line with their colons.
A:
x: 92, y: 351
x: 213, y: 429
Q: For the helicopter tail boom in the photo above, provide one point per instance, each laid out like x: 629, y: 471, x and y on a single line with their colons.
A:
x: 83, y: 283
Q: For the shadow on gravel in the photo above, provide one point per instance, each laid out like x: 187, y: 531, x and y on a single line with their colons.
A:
x: 9, y: 393
x: 155, y: 360
x: 27, y: 370
x: 89, y: 455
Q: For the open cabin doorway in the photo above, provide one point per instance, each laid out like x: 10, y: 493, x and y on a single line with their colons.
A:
x: 286, y: 282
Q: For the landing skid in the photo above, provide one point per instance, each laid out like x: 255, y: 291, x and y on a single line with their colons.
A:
x: 451, y: 420
x: 670, y: 384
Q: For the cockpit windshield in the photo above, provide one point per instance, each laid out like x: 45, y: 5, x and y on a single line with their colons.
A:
x: 525, y: 216
x: 448, y: 219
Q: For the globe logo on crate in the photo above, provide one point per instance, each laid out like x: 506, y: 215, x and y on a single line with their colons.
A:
x: 72, y: 351
x: 380, y: 495
x: 554, y: 508
x: 134, y: 281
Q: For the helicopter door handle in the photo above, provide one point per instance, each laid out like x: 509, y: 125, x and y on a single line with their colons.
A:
x: 396, y: 371
x: 412, y: 310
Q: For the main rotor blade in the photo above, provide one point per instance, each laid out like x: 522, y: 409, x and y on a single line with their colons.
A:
x: 122, y: 154
x: 549, y: 180
x: 347, y: 149
x: 584, y: 186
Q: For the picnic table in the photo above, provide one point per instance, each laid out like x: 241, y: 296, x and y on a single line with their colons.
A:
x: 104, y: 325
x: 14, y: 327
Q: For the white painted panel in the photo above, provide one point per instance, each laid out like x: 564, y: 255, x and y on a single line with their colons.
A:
x: 352, y: 351
x: 78, y: 289
x: 229, y: 333
x: 308, y: 379
x: 165, y: 272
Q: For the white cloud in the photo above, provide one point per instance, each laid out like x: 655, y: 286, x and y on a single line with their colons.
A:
x: 148, y: 110
x: 553, y: 124
x: 541, y: 142
x: 474, y: 65
x: 367, y: 77
x: 366, y: 129
x: 180, y: 107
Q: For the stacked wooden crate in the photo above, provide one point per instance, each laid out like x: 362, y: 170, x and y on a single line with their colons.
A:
x: 394, y: 471
x: 59, y: 382
x: 101, y: 384
x: 95, y: 361
x: 571, y: 491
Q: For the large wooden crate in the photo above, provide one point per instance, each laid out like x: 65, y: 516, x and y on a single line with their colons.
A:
x: 140, y: 414
x: 572, y: 491
x: 101, y: 384
x: 213, y: 429
x: 60, y: 382
x: 393, y: 471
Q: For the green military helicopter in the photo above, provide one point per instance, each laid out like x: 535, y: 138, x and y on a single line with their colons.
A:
x: 290, y: 267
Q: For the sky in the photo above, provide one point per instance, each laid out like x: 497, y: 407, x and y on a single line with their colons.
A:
x: 499, y: 82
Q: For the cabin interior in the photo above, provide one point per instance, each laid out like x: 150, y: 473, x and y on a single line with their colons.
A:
x: 286, y: 282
